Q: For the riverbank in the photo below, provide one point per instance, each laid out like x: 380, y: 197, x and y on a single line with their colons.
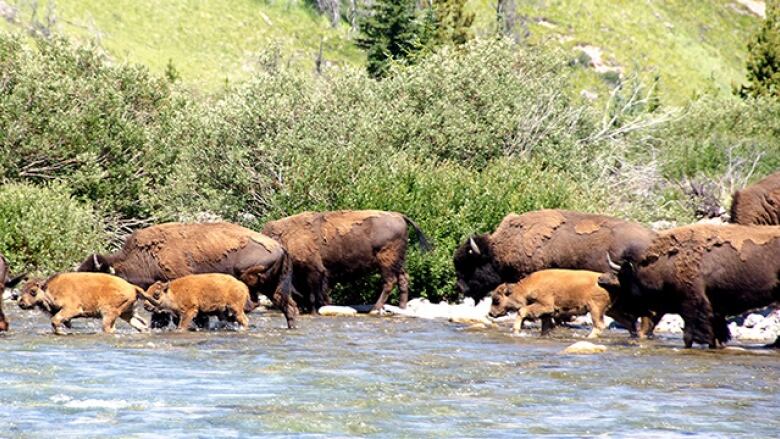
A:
x: 760, y: 326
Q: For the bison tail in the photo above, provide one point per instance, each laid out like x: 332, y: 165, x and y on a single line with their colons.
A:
x: 422, y: 240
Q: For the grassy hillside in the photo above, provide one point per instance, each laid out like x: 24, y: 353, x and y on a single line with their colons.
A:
x: 693, y: 46
x: 207, y: 41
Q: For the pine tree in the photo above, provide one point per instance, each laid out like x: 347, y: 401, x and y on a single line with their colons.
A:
x: 390, y: 32
x: 453, y: 23
x: 763, y: 64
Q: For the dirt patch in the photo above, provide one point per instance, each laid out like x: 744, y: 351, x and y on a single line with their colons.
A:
x: 755, y: 7
x: 597, y: 61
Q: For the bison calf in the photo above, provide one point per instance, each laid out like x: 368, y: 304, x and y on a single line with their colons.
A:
x: 554, y: 293
x: 66, y: 296
x: 207, y: 294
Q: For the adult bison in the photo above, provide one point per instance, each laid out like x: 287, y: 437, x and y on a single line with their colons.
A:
x: 169, y: 251
x: 328, y: 247
x: 705, y: 273
x: 542, y: 239
x: 6, y: 282
x: 758, y: 204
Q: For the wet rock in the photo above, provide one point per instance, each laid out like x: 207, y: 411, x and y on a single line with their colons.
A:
x: 422, y: 308
x: 585, y: 347
x: 671, y: 324
x: 476, y: 327
x: 337, y: 311
x: 471, y: 321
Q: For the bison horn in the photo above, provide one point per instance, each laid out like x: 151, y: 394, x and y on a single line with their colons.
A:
x: 95, y: 261
x: 474, y: 246
x: 615, y: 267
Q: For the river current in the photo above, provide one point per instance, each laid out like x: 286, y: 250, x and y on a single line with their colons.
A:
x: 378, y: 377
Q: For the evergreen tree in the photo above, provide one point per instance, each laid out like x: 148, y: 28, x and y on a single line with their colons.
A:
x: 763, y: 64
x: 453, y: 23
x: 390, y: 32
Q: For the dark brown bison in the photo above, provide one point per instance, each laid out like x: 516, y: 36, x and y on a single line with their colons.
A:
x: 705, y: 273
x: 758, y: 204
x: 168, y: 251
x: 328, y: 247
x: 7, y: 282
x: 533, y: 241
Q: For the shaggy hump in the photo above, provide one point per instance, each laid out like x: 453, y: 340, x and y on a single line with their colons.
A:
x: 758, y: 204
x: 211, y: 242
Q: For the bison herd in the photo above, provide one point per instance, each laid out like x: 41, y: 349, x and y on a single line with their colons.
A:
x: 548, y: 265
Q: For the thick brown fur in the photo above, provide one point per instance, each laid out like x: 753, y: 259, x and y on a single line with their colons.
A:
x: 533, y: 241
x: 168, y: 251
x: 66, y: 296
x: 6, y: 282
x: 550, y: 294
x: 758, y: 204
x: 328, y: 247
x: 705, y: 273
x: 207, y: 294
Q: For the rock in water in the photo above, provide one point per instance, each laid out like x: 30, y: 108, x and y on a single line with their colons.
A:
x: 585, y: 347
x: 332, y: 310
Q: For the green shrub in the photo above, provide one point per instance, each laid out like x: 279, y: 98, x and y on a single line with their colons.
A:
x: 66, y: 112
x: 45, y: 229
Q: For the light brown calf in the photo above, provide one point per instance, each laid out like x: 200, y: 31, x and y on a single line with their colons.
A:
x: 209, y: 294
x: 66, y: 296
x: 548, y: 294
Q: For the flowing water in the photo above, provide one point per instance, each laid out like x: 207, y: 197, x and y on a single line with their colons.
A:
x: 380, y: 377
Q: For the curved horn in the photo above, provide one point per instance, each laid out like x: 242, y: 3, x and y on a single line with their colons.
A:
x: 615, y: 267
x: 474, y: 246
x: 95, y: 261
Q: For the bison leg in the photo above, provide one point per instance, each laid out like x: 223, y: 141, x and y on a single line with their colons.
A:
x: 133, y: 320
x: 160, y: 320
x: 597, y: 316
x: 696, y: 312
x: 647, y: 325
x: 547, y: 324
x: 109, y: 319
x: 201, y: 321
x: 62, y: 317
x: 518, y: 325
x: 185, y: 319
x: 388, y: 284
x: 285, y: 302
x: 403, y: 289
x: 242, y: 320
x: 316, y: 283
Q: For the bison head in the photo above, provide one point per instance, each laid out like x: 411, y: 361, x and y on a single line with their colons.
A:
x: 475, y: 268
x: 622, y: 285
x: 154, y: 294
x: 503, y: 302
x: 96, y: 263
x: 32, y: 294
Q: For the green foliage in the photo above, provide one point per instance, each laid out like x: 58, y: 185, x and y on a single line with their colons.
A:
x: 390, y: 32
x: 453, y: 22
x: 66, y: 112
x: 715, y: 135
x: 45, y: 229
x: 763, y: 63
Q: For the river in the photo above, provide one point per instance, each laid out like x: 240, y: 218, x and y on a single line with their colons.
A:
x: 379, y: 377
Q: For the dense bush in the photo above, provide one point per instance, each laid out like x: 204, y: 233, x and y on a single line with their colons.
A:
x: 66, y: 112
x: 456, y: 142
x: 45, y: 229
